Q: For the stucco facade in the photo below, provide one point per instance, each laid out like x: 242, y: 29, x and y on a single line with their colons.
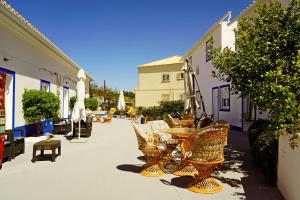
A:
x: 29, y: 59
x: 152, y: 88
x: 222, y: 35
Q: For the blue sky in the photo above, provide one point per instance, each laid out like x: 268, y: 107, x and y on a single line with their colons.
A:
x: 110, y: 38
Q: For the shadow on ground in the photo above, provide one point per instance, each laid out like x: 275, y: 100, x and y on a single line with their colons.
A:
x: 238, y: 161
x: 142, y: 158
x: 180, y: 182
x: 238, y: 158
x: 45, y: 157
x: 130, y: 168
x: 238, y: 171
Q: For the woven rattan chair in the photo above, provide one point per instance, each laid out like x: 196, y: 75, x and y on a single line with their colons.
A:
x: 159, y: 127
x: 109, y: 116
x: 131, y: 114
x: 172, y: 122
x: 206, y: 154
x: 225, y: 125
x: 151, y: 151
x: 187, y: 122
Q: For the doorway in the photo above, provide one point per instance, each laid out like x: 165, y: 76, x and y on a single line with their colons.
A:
x: 215, y: 103
x: 65, y: 112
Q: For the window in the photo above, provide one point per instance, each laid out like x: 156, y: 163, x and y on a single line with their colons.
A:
x: 225, y: 98
x: 165, y: 78
x: 209, y: 49
x: 165, y: 97
x: 180, y: 76
x: 45, y: 85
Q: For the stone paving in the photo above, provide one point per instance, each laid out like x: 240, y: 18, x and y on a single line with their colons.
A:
x: 108, y: 165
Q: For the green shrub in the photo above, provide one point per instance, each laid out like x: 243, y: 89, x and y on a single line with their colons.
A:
x: 72, y: 102
x: 171, y: 106
x: 256, y: 129
x: 266, y: 155
x: 91, y: 103
x: 264, y: 148
x: 39, y: 105
x: 165, y: 107
x: 152, y: 113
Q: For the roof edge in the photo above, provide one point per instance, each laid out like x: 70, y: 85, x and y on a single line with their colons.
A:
x: 151, y: 64
x: 191, y: 50
x: 13, y: 15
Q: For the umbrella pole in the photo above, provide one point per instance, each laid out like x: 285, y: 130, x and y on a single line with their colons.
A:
x: 79, y: 129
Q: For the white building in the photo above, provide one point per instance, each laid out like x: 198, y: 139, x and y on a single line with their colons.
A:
x: 223, y: 105
x: 31, y: 61
x: 216, y: 94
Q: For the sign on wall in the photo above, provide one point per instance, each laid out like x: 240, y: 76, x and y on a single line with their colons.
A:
x: 2, y: 101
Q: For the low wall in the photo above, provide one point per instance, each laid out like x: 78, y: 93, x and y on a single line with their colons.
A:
x: 288, y: 169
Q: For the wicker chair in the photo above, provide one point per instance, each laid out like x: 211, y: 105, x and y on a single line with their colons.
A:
x: 225, y: 125
x: 206, y: 154
x: 151, y: 151
x: 172, y: 122
x: 62, y: 126
x: 132, y: 114
x: 109, y: 116
x: 204, y: 121
x: 159, y: 127
x: 177, y: 123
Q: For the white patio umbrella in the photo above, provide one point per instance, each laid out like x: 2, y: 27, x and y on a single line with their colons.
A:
x: 78, y: 113
x: 121, y: 101
x: 190, y: 101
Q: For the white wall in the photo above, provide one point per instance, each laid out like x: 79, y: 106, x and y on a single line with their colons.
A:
x: 223, y: 37
x: 32, y: 61
x: 9, y: 102
x: 288, y: 169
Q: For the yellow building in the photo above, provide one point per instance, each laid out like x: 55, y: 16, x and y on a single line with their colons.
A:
x: 160, y: 80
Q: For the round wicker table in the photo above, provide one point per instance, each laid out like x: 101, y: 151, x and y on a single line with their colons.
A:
x: 185, y: 136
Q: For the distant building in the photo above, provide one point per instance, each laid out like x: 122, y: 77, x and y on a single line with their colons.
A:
x: 29, y: 60
x: 161, y: 80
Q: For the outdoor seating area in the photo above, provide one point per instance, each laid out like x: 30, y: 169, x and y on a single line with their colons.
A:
x: 183, y: 152
x: 90, y: 163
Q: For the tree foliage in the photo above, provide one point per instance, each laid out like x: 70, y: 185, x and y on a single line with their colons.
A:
x: 110, y: 95
x: 265, y: 63
x: 90, y: 103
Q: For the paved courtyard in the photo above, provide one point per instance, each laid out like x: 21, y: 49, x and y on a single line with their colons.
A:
x: 108, y: 165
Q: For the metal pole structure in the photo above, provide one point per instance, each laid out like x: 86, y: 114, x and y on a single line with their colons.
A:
x: 195, y: 79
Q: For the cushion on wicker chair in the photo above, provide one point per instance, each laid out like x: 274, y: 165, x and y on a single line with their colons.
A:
x: 157, y: 127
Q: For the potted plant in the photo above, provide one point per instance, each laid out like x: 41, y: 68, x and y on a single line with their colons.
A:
x: 39, y: 105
